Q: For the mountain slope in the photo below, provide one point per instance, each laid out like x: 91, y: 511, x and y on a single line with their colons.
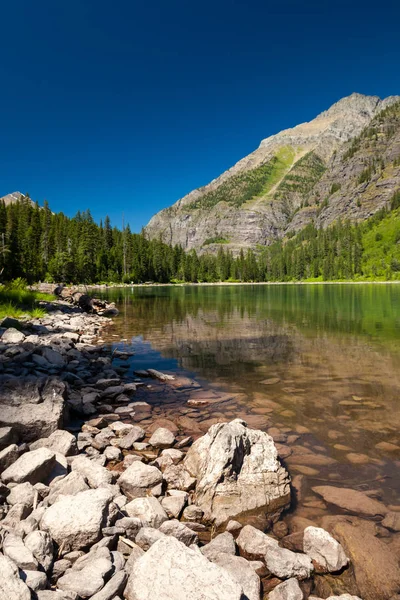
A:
x: 269, y: 192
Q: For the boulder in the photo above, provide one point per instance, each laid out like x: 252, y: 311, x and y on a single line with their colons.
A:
x: 174, y: 505
x: 41, y: 546
x: 59, y: 441
x: 11, y: 586
x: 8, y: 456
x: 95, y: 474
x: 136, y: 434
x: 171, y: 571
x: 22, y: 493
x: 253, y: 543
x: 148, y: 510
x: 327, y: 554
x: 115, y: 586
x: 70, y: 485
x: 31, y: 466
x: 148, y: 536
x: 351, y: 501
x: 286, y: 564
x: 224, y: 543
x: 15, y: 549
x: 138, y: 479
x: 241, y: 571
x: 178, y: 478
x: 89, y: 580
x: 237, y: 470
x: 35, y: 580
x: 34, y: 408
x: 288, y: 590
x: 162, y: 438
x: 180, y: 532
x: 75, y: 522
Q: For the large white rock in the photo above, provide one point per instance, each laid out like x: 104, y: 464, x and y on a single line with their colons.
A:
x: 87, y: 581
x: 237, y: 470
x: 11, y: 586
x: 138, y: 478
x: 31, y: 466
x: 70, y: 485
x: 148, y: 510
x: 162, y: 438
x: 285, y: 564
x: 324, y: 549
x: 171, y: 571
x: 76, y: 521
x: 60, y: 441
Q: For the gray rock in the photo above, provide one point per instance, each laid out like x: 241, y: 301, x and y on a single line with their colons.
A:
x: 179, y: 531
x: 32, y: 408
x: 60, y: 441
x: 224, y: 543
x: 286, y: 564
x: 115, y: 586
x: 237, y: 470
x: 35, y: 580
x: 7, y: 437
x: 11, y: 586
x: 87, y: 581
x: 193, y: 577
x: 15, y: 549
x: 120, y: 429
x: 173, y: 505
x: 136, y: 553
x: 8, y: 456
x: 32, y: 467
x: 242, y: 572
x: 22, y: 493
x: 193, y: 513
x: 138, y: 478
x: 15, y: 515
x: 95, y: 474
x: 41, y: 546
x: 53, y: 357
x: 322, y: 548
x: 288, y: 590
x: 179, y: 478
x: 136, y: 434
x: 130, y: 526
x: 148, y: 510
x: 113, y: 454
x: 70, y: 485
x: 162, y: 438
x: 253, y: 543
x: 56, y: 595
x: 147, y: 536
x: 75, y: 522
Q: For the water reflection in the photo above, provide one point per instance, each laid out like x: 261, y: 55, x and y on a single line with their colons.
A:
x: 329, y: 355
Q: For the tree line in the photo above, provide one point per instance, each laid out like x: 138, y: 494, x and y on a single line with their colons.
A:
x: 39, y: 245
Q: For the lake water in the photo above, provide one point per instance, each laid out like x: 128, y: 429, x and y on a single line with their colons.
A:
x: 316, y: 365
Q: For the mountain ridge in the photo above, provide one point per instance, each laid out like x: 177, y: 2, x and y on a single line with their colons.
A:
x: 253, y: 202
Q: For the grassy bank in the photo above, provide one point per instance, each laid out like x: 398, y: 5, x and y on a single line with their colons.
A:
x: 17, y: 301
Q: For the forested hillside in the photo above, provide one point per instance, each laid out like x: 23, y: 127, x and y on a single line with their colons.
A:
x: 39, y: 245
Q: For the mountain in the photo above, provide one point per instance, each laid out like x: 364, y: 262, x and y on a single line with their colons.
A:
x: 342, y: 164
x: 13, y: 198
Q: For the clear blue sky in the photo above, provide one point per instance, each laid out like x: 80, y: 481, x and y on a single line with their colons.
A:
x: 126, y: 106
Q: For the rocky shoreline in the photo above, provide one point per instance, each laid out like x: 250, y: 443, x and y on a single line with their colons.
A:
x: 102, y: 498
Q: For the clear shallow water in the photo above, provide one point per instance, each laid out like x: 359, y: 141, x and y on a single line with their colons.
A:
x: 318, y: 361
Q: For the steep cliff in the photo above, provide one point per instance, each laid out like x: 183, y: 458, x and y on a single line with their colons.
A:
x: 285, y: 183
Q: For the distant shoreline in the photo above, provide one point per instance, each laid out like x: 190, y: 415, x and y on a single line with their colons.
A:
x: 233, y: 283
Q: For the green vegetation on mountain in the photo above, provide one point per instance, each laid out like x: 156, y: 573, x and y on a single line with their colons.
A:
x: 248, y: 185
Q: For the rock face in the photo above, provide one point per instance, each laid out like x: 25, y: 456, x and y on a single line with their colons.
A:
x: 292, y: 166
x: 171, y: 571
x: 34, y: 408
x: 237, y: 470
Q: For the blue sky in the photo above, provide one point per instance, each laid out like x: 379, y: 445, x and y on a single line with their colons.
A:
x: 124, y: 107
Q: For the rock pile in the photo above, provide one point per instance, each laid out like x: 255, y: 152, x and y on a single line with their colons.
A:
x: 112, y: 510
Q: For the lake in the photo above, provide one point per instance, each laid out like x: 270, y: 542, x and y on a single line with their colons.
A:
x: 318, y: 366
